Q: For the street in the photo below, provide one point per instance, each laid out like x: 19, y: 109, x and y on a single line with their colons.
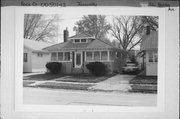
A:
x: 75, y: 97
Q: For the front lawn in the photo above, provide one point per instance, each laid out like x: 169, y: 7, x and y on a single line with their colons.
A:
x: 27, y: 83
x: 144, y: 84
x: 144, y: 80
x: 42, y: 77
x: 68, y: 86
x: 84, y: 78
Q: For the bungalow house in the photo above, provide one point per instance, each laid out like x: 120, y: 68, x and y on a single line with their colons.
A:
x: 34, y: 57
x: 148, y: 55
x: 77, y: 51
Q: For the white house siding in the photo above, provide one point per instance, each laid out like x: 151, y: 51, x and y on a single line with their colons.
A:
x: 151, y: 67
x: 27, y: 66
x: 38, y: 63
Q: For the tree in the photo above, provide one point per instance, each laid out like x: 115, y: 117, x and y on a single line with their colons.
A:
x: 152, y: 21
x: 95, y: 25
x: 128, y: 30
x: 40, y: 27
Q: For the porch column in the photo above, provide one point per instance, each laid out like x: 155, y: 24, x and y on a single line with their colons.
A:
x: 108, y: 55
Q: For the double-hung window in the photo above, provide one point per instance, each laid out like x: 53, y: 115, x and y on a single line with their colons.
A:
x: 104, y: 55
x: 60, y: 56
x: 53, y: 56
x: 97, y: 55
x: 63, y: 56
x: 66, y: 56
x: 25, y: 57
x: 150, y: 56
x: 89, y: 56
x: 83, y: 40
x: 39, y: 54
x: 77, y: 40
x: 112, y: 55
x: 153, y: 56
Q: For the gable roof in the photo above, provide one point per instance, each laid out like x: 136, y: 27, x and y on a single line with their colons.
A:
x: 36, y: 45
x: 149, y: 41
x: 70, y: 45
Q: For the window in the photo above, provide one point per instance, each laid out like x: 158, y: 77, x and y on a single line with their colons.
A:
x: 25, y: 57
x: 150, y: 57
x: 83, y: 40
x: 104, y: 55
x: 67, y: 56
x: 112, y: 55
x: 77, y: 40
x: 153, y: 56
x: 89, y: 40
x: 53, y: 56
x: 60, y: 56
x: 96, y: 55
x: 89, y: 56
x: 39, y: 54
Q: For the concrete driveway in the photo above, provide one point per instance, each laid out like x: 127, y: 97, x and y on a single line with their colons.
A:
x: 118, y: 82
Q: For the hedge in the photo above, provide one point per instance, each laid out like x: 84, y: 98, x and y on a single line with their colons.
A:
x: 97, y: 68
x: 54, y: 67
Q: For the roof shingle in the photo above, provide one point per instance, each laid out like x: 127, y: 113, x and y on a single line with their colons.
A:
x: 36, y: 45
x: 81, y: 35
x: 70, y: 45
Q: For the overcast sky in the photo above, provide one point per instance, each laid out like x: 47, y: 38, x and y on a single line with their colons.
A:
x: 68, y: 21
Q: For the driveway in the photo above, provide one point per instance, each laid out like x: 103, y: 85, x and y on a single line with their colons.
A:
x: 118, y: 82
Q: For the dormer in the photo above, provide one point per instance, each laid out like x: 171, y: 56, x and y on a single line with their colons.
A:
x: 81, y: 38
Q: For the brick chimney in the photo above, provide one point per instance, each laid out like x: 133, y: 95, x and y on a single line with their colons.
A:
x: 148, y: 30
x: 66, y: 34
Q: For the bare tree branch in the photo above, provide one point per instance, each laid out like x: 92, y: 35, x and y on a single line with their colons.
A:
x: 128, y: 30
x: 40, y: 27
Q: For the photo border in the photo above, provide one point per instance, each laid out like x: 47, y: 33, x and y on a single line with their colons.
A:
x: 19, y: 20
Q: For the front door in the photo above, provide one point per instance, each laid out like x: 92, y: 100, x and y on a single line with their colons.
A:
x: 78, y: 59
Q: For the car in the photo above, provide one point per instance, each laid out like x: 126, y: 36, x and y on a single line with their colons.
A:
x: 131, y: 68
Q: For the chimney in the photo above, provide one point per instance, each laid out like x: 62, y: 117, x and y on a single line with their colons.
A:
x: 147, y: 30
x: 66, y: 35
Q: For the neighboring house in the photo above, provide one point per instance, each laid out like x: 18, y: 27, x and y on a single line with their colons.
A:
x: 148, y: 55
x: 77, y: 51
x: 35, y: 58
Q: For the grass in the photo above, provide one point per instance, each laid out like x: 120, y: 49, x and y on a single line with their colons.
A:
x: 53, y: 85
x: 81, y: 78
x: 26, y: 83
x: 144, y: 84
x: 42, y: 77
x: 84, y: 78
x: 144, y: 88
x: 144, y: 80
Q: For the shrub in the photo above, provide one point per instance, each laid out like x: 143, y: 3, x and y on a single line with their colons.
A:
x: 54, y: 67
x: 97, y: 68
